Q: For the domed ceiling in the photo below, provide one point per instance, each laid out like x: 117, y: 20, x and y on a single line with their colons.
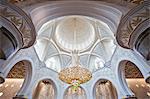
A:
x: 75, y: 33
x: 92, y: 38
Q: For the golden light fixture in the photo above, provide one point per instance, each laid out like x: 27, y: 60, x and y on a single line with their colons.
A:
x: 79, y: 73
x: 76, y: 74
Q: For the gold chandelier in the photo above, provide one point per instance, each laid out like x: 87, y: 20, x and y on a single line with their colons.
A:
x: 76, y: 74
x: 79, y: 73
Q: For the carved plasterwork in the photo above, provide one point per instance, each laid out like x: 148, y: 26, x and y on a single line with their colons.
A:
x: 18, y: 71
x: 135, y: 1
x: 131, y: 71
x: 20, y: 20
x: 17, y: 1
x: 130, y: 22
x: 24, y: 3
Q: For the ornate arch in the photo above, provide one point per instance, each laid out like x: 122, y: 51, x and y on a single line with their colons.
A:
x: 18, y: 22
x: 135, y: 21
x: 104, y: 81
x: 96, y: 10
x: 46, y: 80
x: 121, y: 75
x: 81, y: 90
x: 26, y: 70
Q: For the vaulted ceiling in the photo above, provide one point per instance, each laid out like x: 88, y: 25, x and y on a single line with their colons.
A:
x: 58, y: 38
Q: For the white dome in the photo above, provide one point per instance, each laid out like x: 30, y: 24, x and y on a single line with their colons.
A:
x: 75, y: 33
x: 91, y: 37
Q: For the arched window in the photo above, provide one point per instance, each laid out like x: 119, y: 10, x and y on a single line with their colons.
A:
x: 105, y: 90
x: 45, y: 90
x: 78, y: 94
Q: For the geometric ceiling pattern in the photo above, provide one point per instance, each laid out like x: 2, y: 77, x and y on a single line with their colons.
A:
x: 58, y: 38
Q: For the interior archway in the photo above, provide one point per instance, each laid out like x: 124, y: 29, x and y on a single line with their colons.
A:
x: 104, y: 89
x: 8, y: 43
x: 78, y: 94
x: 45, y: 89
x: 15, y: 80
x: 142, y: 44
x: 135, y: 81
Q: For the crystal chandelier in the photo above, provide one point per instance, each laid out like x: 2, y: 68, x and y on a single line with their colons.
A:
x: 75, y: 74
